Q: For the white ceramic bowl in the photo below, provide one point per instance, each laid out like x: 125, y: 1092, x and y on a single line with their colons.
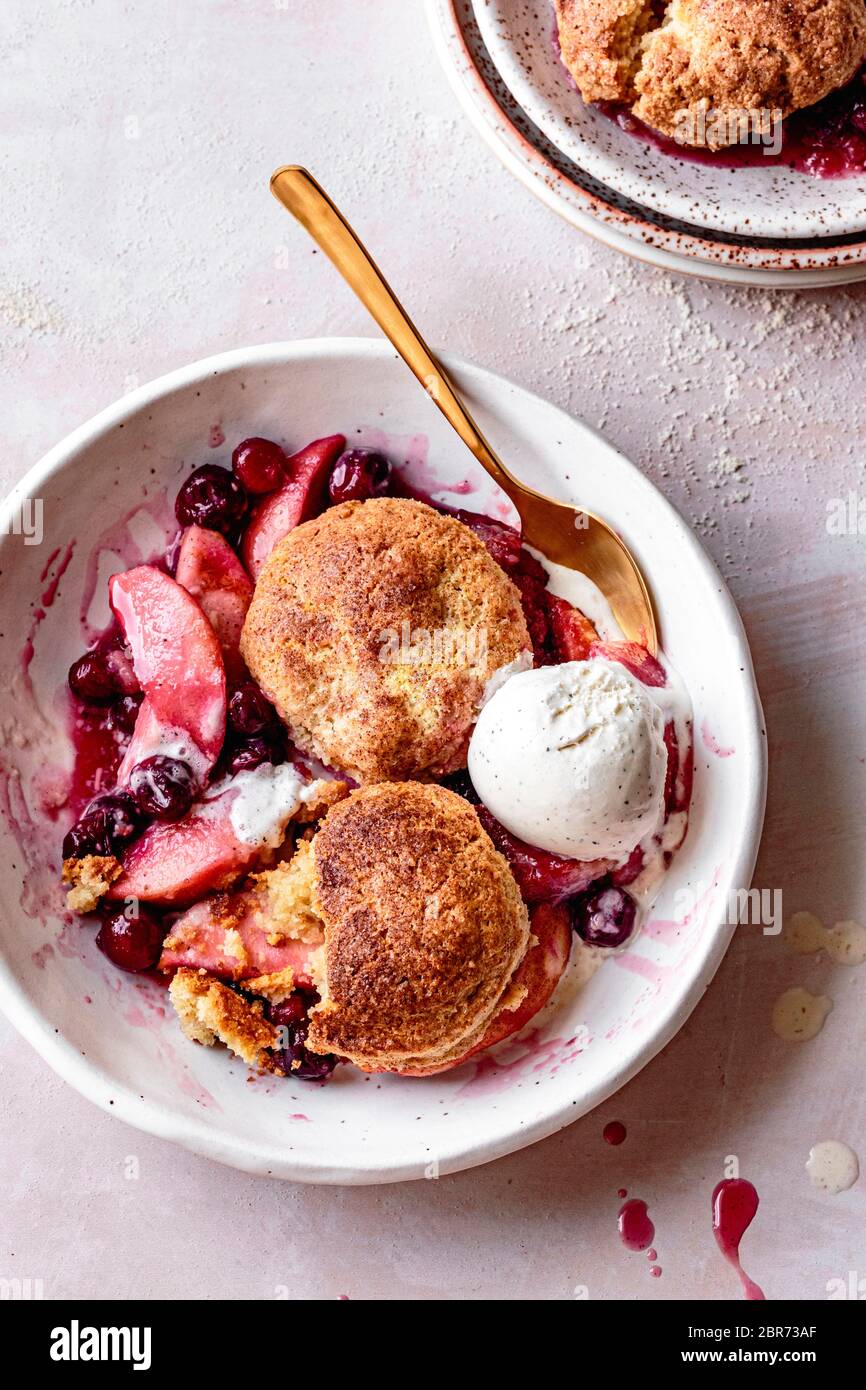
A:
x: 600, y: 211
x: 111, y: 1035
x: 763, y: 202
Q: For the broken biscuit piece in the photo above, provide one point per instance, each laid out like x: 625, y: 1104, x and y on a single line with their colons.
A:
x: 211, y: 1012
x: 90, y: 879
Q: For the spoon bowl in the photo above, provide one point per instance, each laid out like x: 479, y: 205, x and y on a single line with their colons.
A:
x: 569, y: 536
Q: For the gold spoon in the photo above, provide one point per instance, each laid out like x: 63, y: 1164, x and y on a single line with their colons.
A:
x: 567, y: 535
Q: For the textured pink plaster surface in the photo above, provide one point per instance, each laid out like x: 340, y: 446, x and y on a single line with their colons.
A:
x: 139, y: 236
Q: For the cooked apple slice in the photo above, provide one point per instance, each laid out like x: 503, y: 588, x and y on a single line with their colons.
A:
x: 209, y: 569
x: 175, y: 864
x: 634, y: 658
x: 228, y: 936
x: 179, y: 665
x: 573, y: 633
x: 300, y: 499
x: 539, y: 974
x: 542, y: 877
x: 232, y: 829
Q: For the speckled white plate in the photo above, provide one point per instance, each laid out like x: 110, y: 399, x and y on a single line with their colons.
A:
x: 113, y: 1036
x: 773, y: 202
x: 601, y: 212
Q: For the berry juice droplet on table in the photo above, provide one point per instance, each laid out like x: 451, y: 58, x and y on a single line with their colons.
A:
x: 614, y: 1132
x: 735, y: 1203
x: 636, y: 1230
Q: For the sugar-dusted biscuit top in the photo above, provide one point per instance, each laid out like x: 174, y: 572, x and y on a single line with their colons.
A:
x: 674, y: 63
x: 601, y: 43
x: 424, y: 928
x: 374, y: 630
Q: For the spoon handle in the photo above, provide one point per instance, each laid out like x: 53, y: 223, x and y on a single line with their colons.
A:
x: 306, y: 200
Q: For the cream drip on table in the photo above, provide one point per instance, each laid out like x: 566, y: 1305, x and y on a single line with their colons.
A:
x: 832, y: 1166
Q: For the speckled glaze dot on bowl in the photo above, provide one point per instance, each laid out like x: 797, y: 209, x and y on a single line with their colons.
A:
x: 773, y: 202
x: 114, y: 1036
x: 601, y: 212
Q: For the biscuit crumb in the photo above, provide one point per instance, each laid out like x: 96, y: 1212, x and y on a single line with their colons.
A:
x: 90, y: 879
x: 275, y: 988
x: 321, y: 795
x: 235, y: 947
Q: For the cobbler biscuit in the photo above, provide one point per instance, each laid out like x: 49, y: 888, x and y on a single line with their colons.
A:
x: 374, y: 630
x: 424, y: 928
x: 288, y: 896
x: 601, y: 43
x: 692, y: 67
x: 211, y: 1012
x: 746, y: 56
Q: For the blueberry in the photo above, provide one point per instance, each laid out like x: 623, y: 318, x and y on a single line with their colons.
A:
x: 248, y: 711
x: 163, y: 787
x: 259, y: 465
x: 605, y: 917
x: 108, y: 823
x: 294, y: 1058
x: 124, y: 713
x: 267, y: 747
x: 97, y: 678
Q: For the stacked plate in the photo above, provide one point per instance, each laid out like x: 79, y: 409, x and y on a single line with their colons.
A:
x: 759, y: 225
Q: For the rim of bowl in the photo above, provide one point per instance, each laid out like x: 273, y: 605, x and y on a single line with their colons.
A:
x: 123, y: 1102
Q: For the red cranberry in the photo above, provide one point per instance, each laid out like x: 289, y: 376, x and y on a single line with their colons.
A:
x: 605, y: 918
x: 259, y: 465
x: 100, y: 677
x: 531, y: 579
x: 359, y: 475
x: 163, y: 787
x: 502, y: 541
x: 292, y: 1010
x: 542, y: 877
x: 108, y: 823
x: 293, y: 1057
x: 248, y: 710
x: 133, y: 943
x: 214, y: 498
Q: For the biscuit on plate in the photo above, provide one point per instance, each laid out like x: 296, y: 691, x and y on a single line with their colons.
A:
x: 676, y: 64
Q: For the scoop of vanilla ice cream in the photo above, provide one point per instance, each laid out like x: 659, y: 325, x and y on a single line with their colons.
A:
x: 572, y: 759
